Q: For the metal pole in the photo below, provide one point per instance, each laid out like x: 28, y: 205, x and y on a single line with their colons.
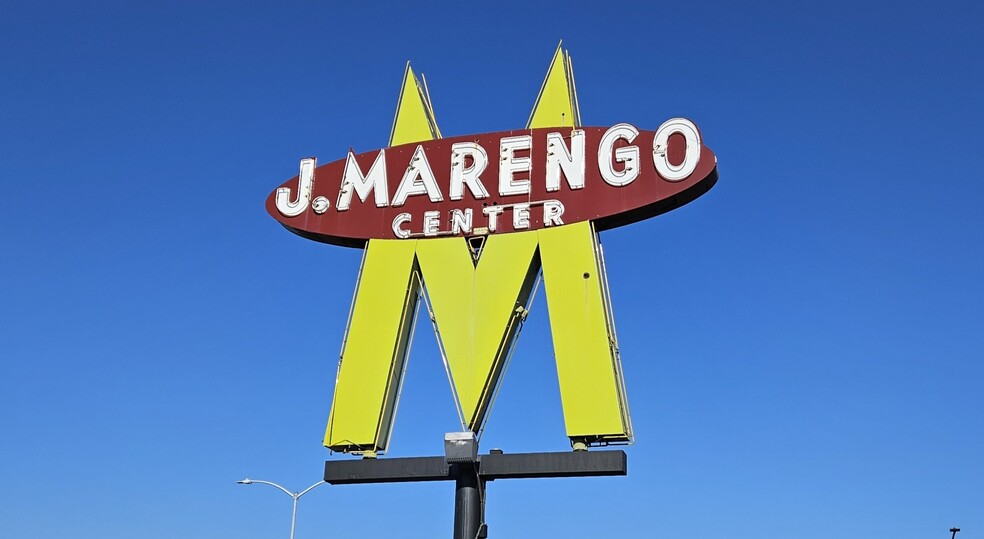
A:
x: 293, y: 516
x: 954, y: 532
x: 467, y: 502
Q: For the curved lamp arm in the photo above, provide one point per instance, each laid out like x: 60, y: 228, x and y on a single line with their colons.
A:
x: 305, y: 491
x: 249, y: 481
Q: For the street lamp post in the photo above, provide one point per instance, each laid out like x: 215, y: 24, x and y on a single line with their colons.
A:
x: 294, y: 495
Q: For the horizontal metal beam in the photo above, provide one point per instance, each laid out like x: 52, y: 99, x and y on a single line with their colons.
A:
x: 402, y: 470
x: 490, y: 467
x: 567, y: 464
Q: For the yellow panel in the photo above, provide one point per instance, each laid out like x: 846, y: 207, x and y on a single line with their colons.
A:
x: 588, y: 366
x: 556, y: 106
x: 476, y: 309
x: 374, y: 352
x: 379, y: 330
x: 414, y: 121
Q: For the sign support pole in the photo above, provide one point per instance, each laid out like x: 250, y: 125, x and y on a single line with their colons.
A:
x: 469, y: 511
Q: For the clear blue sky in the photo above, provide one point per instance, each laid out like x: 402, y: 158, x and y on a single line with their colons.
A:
x: 803, y: 345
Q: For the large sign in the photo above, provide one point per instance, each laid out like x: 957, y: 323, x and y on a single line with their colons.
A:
x: 498, y: 183
x: 469, y: 223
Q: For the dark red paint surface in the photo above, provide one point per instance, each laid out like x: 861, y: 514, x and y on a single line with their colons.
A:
x: 608, y: 206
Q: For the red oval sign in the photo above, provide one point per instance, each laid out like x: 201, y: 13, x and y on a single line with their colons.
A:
x: 498, y: 183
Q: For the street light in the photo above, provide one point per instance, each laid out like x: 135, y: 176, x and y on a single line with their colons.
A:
x: 294, y: 495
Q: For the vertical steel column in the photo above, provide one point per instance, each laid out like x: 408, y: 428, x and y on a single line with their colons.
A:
x: 467, y: 501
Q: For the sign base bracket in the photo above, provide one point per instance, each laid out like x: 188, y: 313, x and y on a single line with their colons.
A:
x: 470, y: 477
